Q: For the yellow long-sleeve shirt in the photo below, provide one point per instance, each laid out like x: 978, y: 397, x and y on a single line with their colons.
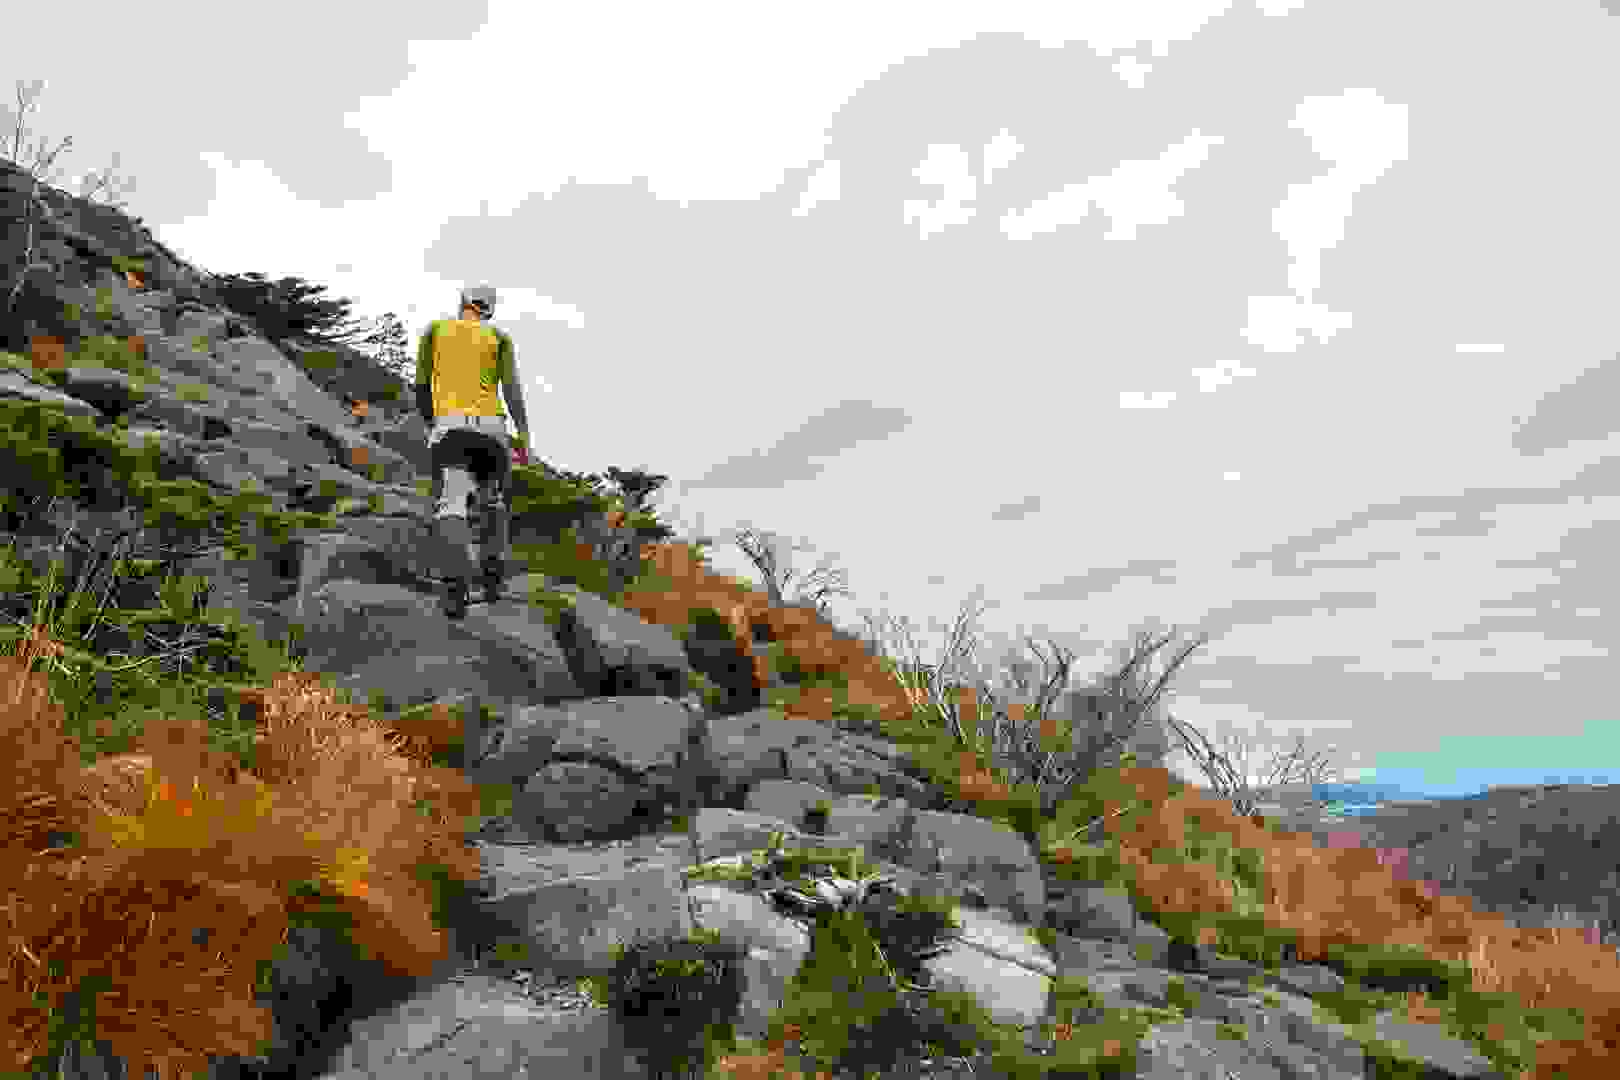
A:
x: 462, y: 365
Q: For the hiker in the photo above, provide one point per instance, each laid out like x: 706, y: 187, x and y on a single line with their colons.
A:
x: 460, y: 363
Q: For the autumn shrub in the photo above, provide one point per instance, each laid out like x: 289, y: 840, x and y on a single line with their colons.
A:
x: 164, y: 881
x: 90, y: 912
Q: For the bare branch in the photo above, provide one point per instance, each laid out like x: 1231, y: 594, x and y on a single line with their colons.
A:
x: 766, y: 552
x: 1233, y: 781
x: 94, y: 184
x: 1016, y: 748
x: 959, y: 647
x: 35, y: 169
x: 1021, y: 743
x: 1134, y: 700
x: 1296, y: 767
x: 40, y: 169
x: 1134, y: 704
x: 42, y: 159
x: 1216, y: 767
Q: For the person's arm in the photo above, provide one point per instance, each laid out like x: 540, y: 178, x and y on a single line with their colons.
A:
x: 424, y: 376
x: 514, y: 390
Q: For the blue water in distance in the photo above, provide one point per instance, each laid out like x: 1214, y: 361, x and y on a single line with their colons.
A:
x: 1472, y: 765
x: 1365, y: 797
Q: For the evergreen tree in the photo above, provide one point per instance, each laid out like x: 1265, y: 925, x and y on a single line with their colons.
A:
x: 636, y: 486
x: 389, y: 345
x: 288, y: 307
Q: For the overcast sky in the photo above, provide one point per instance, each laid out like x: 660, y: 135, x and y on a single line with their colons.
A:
x: 1287, y: 323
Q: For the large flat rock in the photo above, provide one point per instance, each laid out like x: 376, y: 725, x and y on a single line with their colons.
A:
x: 479, y: 1026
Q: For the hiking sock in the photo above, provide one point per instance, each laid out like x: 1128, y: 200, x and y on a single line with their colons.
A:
x: 456, y: 597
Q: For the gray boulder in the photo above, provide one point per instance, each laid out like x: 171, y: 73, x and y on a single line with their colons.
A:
x: 788, y: 800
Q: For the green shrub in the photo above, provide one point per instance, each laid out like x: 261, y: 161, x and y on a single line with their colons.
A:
x: 561, y: 562
x: 1178, y: 996
x: 126, y: 264
x: 852, y: 1019
x: 788, y: 667
x: 106, y: 351
x: 107, y: 698
x: 541, y: 496
x: 909, y: 929
x: 552, y: 602
x: 1400, y: 969
x: 712, y: 695
x: 1045, y: 936
x: 904, y: 1031
x: 1505, y: 1031
x: 678, y: 998
x: 842, y: 996
x: 50, y: 454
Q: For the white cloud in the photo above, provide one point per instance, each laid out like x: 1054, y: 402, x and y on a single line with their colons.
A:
x: 1135, y: 193
x: 1002, y: 150
x: 1140, y: 192
x: 1276, y: 323
x: 947, y: 168
x: 1277, y: 8
x: 823, y: 186
x: 1140, y: 399
x: 1361, y: 136
x: 1211, y: 379
x: 1133, y: 72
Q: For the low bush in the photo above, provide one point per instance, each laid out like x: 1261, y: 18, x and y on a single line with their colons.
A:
x: 908, y: 929
x: 677, y: 998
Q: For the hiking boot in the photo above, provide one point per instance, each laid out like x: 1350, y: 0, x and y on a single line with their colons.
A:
x: 455, y: 598
x: 494, y: 579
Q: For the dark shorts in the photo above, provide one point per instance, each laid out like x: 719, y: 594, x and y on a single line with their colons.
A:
x: 468, y: 460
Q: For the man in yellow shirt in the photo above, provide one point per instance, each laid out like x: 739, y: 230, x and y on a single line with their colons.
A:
x: 461, y: 365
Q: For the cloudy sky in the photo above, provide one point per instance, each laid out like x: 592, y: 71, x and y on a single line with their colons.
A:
x: 1284, y: 323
